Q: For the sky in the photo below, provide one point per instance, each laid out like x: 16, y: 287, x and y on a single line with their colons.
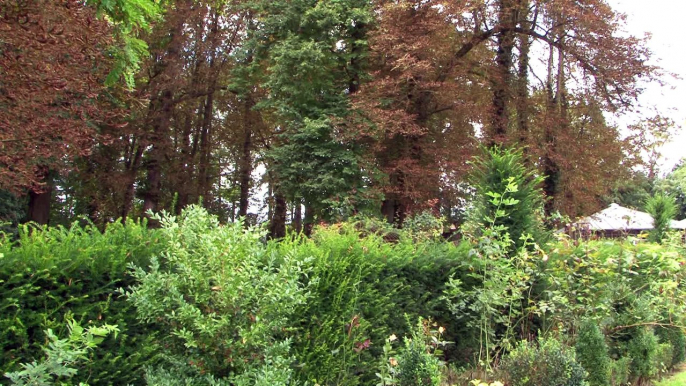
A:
x: 664, y: 20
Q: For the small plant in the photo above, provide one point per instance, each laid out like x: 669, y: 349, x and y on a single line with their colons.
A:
x: 592, y: 353
x: 416, y: 363
x: 549, y: 363
x: 62, y: 356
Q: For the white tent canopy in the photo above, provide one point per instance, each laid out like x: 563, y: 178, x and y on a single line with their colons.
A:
x: 617, y: 217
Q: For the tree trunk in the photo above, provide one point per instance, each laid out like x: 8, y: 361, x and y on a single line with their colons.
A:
x: 277, y: 225
x: 40, y: 200
x: 503, y: 77
x: 297, y: 216
x: 246, y: 158
x: 522, y: 102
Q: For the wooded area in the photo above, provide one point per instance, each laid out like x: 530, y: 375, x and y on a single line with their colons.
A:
x: 316, y: 109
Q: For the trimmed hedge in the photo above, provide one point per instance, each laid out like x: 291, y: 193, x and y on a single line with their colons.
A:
x: 47, y: 274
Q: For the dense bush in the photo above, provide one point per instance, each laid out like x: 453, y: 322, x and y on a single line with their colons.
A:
x: 52, y: 273
x: 493, y: 173
x: 677, y: 339
x: 548, y: 363
x: 619, y: 371
x: 221, y: 300
x: 417, y: 366
x: 592, y: 353
x: 363, y: 288
x: 643, y: 351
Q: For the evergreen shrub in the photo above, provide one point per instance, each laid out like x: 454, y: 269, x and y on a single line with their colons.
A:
x: 643, y: 350
x: 547, y: 363
x: 620, y: 371
x: 676, y: 337
x: 49, y: 274
x: 417, y: 366
x: 592, y: 353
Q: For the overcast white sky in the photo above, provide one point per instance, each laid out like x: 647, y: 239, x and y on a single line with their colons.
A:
x: 665, y: 20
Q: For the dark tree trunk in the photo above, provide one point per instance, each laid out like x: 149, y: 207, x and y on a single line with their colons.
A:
x: 297, y: 216
x: 277, y: 225
x: 40, y: 201
x: 308, y: 223
x: 246, y: 158
x: 522, y: 102
x: 503, y: 76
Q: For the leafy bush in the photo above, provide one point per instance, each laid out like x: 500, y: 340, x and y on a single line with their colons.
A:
x: 221, y: 300
x: 592, y: 353
x: 619, y: 371
x: 417, y: 366
x: 663, y: 358
x: 49, y: 273
x: 61, y: 355
x: 677, y: 339
x: 549, y: 363
x: 643, y: 350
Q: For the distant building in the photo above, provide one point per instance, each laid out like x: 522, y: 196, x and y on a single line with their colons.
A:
x: 616, y: 221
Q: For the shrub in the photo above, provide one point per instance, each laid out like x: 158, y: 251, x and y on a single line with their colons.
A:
x: 61, y: 355
x: 221, y: 300
x: 619, y: 371
x: 592, y: 353
x: 417, y: 366
x: 674, y: 336
x: 663, y: 358
x: 663, y: 209
x: 643, y: 350
x: 49, y: 273
x: 549, y: 363
x: 493, y: 173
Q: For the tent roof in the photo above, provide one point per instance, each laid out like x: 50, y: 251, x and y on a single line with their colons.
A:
x: 616, y: 217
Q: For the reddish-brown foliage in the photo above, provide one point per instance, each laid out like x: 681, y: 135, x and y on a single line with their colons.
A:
x: 52, y: 66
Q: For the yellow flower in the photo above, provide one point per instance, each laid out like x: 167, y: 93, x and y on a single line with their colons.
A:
x: 394, y: 362
x: 392, y: 338
x: 441, y: 330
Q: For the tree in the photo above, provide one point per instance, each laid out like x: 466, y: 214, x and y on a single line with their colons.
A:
x: 52, y: 98
x: 311, y: 64
x: 662, y: 208
x: 499, y: 175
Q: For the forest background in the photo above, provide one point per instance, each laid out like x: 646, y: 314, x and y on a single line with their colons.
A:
x: 316, y: 110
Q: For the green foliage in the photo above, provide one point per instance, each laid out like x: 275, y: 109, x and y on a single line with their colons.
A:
x: 662, y: 208
x: 498, y: 301
x: 49, y: 273
x: 620, y: 371
x: 677, y: 339
x: 592, y: 353
x: 643, y: 351
x: 417, y: 366
x: 675, y: 185
x: 221, y: 300
x: 502, y: 171
x: 663, y: 358
x: 129, y: 18
x: 312, y: 60
x: 548, y: 363
x: 61, y: 355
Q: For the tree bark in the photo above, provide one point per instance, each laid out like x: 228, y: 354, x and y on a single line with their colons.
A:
x: 277, y: 225
x: 40, y: 201
x: 246, y: 157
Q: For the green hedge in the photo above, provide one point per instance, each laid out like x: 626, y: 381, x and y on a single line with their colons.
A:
x: 48, y: 274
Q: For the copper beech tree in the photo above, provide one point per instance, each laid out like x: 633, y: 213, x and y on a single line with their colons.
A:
x: 53, y: 64
x: 364, y: 106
